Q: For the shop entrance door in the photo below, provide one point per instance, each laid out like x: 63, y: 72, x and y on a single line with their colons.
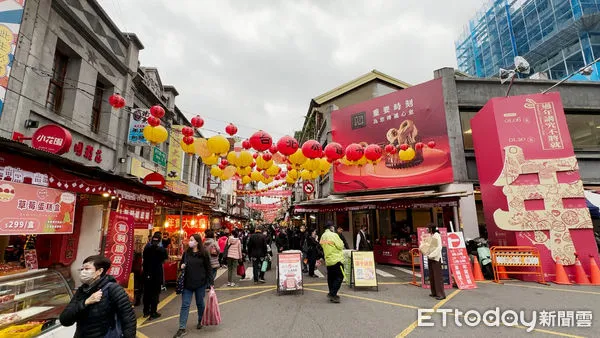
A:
x: 360, y: 219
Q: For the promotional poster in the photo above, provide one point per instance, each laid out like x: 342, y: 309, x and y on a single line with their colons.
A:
x: 414, y: 117
x: 119, y: 246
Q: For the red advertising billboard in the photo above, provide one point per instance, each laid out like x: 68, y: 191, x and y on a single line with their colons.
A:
x: 119, y: 246
x: 530, y: 186
x: 408, y: 116
x: 30, y: 209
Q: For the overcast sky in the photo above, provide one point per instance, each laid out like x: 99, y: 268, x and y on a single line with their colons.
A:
x: 258, y: 63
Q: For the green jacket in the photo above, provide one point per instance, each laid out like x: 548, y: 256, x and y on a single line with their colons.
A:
x: 332, y: 247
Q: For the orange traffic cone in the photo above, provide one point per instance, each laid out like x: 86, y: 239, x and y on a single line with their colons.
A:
x: 594, y: 271
x: 502, y: 273
x: 580, y: 276
x: 561, y: 275
x: 477, y: 270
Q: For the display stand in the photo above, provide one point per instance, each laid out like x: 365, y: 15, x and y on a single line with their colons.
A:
x: 289, y: 272
x: 364, y: 273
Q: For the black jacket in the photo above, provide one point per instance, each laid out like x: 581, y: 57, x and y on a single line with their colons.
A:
x: 343, y: 238
x: 314, y: 248
x: 282, y: 242
x: 257, y: 245
x: 198, y: 272
x: 154, y: 257
x: 297, y: 240
x: 95, y: 319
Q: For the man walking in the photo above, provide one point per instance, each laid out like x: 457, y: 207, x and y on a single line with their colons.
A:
x: 153, y: 259
x: 257, y: 251
x: 332, y: 249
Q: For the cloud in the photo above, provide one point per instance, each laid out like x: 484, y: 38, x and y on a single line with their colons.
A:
x: 259, y: 63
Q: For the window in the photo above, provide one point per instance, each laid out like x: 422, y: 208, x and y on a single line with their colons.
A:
x: 54, y: 98
x: 97, y: 107
x: 465, y: 121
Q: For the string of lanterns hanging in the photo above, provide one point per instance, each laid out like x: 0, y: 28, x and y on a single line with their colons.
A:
x: 306, y: 162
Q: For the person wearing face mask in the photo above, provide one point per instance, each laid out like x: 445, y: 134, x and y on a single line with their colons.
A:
x: 95, y: 303
x: 153, y: 258
x: 198, y: 274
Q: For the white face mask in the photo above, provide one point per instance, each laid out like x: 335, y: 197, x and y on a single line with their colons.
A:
x: 86, y: 276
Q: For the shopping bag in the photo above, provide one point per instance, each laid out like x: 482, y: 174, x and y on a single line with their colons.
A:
x: 212, y: 314
x: 241, y: 269
x: 264, y: 266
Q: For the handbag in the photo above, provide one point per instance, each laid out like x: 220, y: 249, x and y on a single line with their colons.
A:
x: 212, y: 314
x: 264, y: 266
x: 226, y: 251
x: 241, y: 269
x: 181, y: 279
x: 113, y: 331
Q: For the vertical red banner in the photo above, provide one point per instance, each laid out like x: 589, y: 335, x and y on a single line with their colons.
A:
x: 119, y: 246
x: 460, y: 263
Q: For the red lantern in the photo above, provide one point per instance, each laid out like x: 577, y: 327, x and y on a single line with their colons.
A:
x: 188, y: 140
x: 289, y: 167
x: 312, y: 149
x: 334, y: 151
x: 222, y: 166
x: 354, y: 152
x: 231, y: 129
x: 419, y: 145
x: 157, y: 111
x: 404, y: 146
x: 390, y: 149
x: 267, y: 157
x: 431, y: 144
x: 114, y: 99
x: 287, y: 145
x: 261, y: 141
x: 373, y: 152
x: 197, y: 121
x: 153, y: 121
x: 187, y: 131
x: 224, y: 162
x: 255, y: 155
x: 246, y: 144
x: 273, y: 149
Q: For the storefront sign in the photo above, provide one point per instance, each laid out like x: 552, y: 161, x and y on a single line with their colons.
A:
x: 119, y: 246
x: 425, y: 265
x: 177, y: 187
x: 155, y: 180
x: 460, y: 263
x: 137, y: 168
x: 142, y: 213
x: 18, y: 175
x: 195, y: 190
x: 138, y: 119
x: 159, y: 157
x: 530, y: 185
x: 52, y: 138
x: 289, y: 268
x: 363, y: 268
x: 30, y: 209
x: 190, y: 224
x: 409, y: 116
x: 11, y: 15
x: 175, y: 160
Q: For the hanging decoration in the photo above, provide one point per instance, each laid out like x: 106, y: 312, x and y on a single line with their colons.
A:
x: 218, y: 145
x: 197, y: 122
x: 261, y: 141
x: 287, y: 145
x: 231, y: 129
x: 312, y: 149
x: 334, y: 151
x: 155, y: 135
x: 373, y: 153
x: 116, y: 101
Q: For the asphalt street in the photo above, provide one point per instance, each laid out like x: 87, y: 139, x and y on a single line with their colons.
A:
x: 250, y: 310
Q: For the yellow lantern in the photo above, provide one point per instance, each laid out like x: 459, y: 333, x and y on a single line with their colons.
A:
x: 229, y: 171
x: 345, y: 161
x: 273, y: 170
x: 362, y: 161
x: 262, y: 164
x: 290, y: 180
x: 216, y: 171
x: 324, y: 166
x: 218, y: 145
x: 267, y: 180
x: 256, y: 176
x: 245, y: 159
x: 407, y: 155
x: 210, y: 160
x: 246, y: 179
x: 293, y: 174
x: 311, y: 164
x: 305, y: 175
x: 233, y: 157
x: 315, y: 173
x: 155, y: 135
x: 297, y: 158
x: 245, y: 171
x: 187, y: 148
x: 201, y: 148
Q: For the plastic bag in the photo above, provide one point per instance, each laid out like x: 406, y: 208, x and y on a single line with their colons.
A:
x: 212, y: 314
x: 241, y: 269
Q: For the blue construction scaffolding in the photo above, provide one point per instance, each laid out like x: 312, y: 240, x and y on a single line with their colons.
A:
x: 557, y: 37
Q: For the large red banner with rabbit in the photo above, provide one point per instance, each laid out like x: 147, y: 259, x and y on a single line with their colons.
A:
x: 410, y: 127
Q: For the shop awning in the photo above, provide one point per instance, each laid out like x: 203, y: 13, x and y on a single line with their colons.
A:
x: 419, y: 199
x: 592, y: 200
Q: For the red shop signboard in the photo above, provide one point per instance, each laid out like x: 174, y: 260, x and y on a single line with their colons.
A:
x: 414, y: 117
x: 52, y: 138
x: 119, y: 246
x: 29, y: 209
x: 142, y: 213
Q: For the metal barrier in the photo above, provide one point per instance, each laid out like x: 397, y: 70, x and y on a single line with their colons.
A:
x: 517, y: 256
x: 415, y: 256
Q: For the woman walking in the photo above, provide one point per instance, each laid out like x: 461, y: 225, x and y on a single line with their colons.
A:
x: 198, y: 274
x: 98, y: 303
x: 234, y: 255
x: 314, y: 252
x: 212, y: 247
